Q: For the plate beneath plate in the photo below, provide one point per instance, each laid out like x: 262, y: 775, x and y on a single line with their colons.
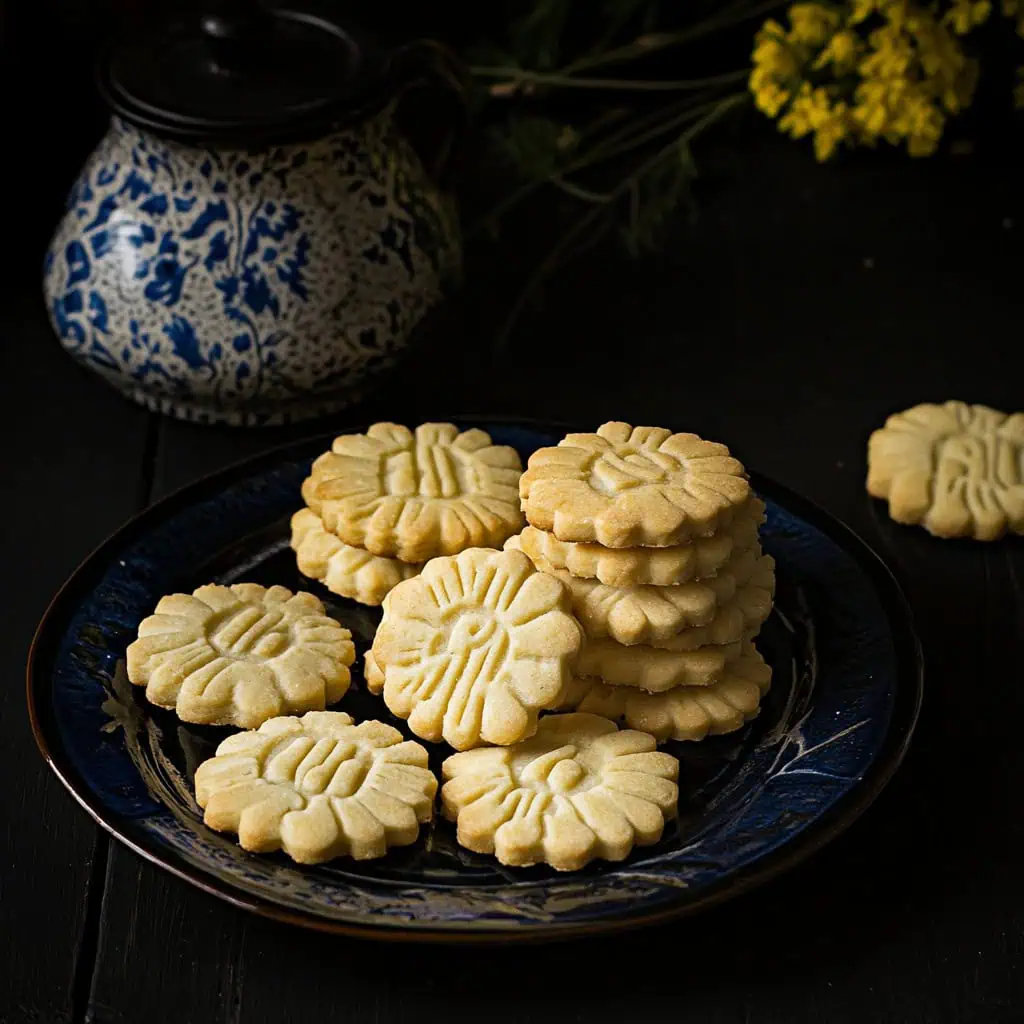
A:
x: 844, y: 700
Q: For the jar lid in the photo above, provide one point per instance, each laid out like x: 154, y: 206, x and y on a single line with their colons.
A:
x: 241, y: 73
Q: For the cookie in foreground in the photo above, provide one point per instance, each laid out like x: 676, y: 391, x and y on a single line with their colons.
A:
x: 577, y: 791
x: 240, y: 655
x: 472, y: 649
x: 318, y: 787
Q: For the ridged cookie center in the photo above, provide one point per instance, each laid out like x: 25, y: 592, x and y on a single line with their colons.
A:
x: 430, y: 471
x: 619, y: 470
x: 249, y: 633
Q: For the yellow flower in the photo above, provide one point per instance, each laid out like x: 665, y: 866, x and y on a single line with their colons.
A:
x: 809, y: 111
x: 772, y: 53
x: 812, y: 23
x: 841, y: 51
x: 862, y: 10
x: 891, y: 54
x: 769, y: 97
x: 869, y: 70
x: 967, y: 14
x: 831, y: 131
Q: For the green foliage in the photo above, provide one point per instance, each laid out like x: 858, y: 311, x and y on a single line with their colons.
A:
x: 578, y: 102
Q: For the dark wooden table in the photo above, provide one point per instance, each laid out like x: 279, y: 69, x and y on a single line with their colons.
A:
x: 804, y: 305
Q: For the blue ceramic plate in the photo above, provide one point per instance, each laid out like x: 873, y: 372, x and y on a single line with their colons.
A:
x: 834, y: 727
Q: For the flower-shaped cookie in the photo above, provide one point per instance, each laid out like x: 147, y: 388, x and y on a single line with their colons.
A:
x: 239, y: 655
x: 652, y: 668
x: 632, y: 486
x: 318, y: 787
x: 578, y: 790
x: 957, y: 469
x: 714, y: 611
x: 343, y: 569
x: 739, y: 616
x: 475, y: 646
x: 414, y: 496
x: 659, y: 567
x: 685, y: 712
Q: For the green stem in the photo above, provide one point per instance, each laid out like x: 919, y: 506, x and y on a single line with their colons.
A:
x: 521, y: 75
x: 580, y: 193
x: 734, y: 15
x: 636, y: 133
x: 565, y: 244
x: 622, y: 142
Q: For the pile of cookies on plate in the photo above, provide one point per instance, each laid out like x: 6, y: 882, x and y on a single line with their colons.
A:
x: 631, y: 597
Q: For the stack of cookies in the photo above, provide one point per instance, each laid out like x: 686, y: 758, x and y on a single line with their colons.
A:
x: 380, y: 504
x: 656, y: 536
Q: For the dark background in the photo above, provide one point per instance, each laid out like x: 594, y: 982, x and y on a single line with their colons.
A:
x: 799, y: 308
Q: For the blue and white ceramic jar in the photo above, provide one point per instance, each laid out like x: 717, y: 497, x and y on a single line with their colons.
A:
x: 255, y: 281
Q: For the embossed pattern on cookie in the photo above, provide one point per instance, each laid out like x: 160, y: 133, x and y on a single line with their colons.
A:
x: 577, y: 791
x: 240, y: 655
x: 416, y: 495
x: 343, y: 569
x: 632, y: 486
x: 956, y: 469
x: 659, y: 567
x: 684, y: 712
x: 318, y: 787
x: 474, y: 647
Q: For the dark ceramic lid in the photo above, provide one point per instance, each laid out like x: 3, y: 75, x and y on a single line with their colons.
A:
x: 239, y: 73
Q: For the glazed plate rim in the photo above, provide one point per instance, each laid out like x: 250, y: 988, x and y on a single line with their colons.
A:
x: 831, y: 822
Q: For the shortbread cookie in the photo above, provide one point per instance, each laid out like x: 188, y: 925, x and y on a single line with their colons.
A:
x: 739, y: 617
x: 372, y: 673
x: 653, y: 669
x: 632, y: 486
x: 682, y: 713
x: 474, y: 647
x: 577, y: 791
x: 956, y: 469
x: 414, y: 496
x: 318, y: 787
x: 239, y: 655
x: 719, y: 610
x: 659, y: 567
x: 343, y: 569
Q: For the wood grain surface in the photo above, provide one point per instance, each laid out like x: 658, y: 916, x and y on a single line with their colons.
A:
x: 802, y: 307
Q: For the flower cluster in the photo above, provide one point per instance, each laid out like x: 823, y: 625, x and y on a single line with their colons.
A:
x: 867, y: 70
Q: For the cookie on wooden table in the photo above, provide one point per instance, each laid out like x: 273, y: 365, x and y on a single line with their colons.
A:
x: 956, y: 469
x: 684, y: 712
x: 318, y: 787
x: 632, y: 486
x: 343, y: 569
x: 240, y: 655
x: 415, y: 495
x: 578, y: 790
x: 475, y: 646
x: 659, y: 567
